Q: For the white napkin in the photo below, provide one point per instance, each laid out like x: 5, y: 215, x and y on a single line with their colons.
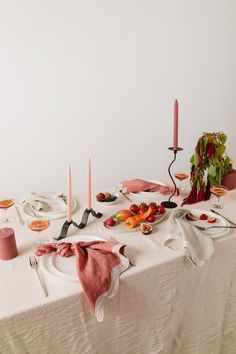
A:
x: 195, y: 244
x: 47, y: 203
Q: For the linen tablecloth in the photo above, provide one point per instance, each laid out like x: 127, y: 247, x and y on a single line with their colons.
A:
x: 164, y: 304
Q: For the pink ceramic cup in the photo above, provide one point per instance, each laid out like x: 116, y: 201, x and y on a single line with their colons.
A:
x: 8, y: 249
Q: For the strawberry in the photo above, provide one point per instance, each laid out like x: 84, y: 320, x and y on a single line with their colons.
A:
x: 203, y: 217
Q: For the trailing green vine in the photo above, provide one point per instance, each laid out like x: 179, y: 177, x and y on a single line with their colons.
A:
x: 209, y: 164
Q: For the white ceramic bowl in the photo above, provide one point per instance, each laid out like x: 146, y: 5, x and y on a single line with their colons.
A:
x: 116, y: 194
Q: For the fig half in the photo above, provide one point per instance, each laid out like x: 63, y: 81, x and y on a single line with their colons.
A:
x: 146, y: 229
x: 190, y: 217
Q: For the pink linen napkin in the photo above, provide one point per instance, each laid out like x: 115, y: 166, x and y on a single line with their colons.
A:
x: 140, y: 185
x: 98, y: 265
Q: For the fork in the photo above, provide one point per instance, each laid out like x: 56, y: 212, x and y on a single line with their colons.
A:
x: 34, y: 265
x: 216, y: 212
x: 215, y: 227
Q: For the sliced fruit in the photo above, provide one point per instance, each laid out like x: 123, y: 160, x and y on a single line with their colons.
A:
x: 151, y: 218
x: 6, y: 203
x: 211, y: 220
x: 123, y: 215
x: 203, y: 217
x: 146, y: 229
x: 190, y: 217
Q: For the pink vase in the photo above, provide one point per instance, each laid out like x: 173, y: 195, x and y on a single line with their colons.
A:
x: 229, y: 180
x: 8, y: 249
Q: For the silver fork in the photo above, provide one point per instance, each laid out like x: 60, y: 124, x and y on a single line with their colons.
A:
x: 216, y: 212
x: 34, y: 265
x: 215, y: 227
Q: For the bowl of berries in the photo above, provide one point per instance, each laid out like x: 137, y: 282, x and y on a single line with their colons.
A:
x: 107, y: 198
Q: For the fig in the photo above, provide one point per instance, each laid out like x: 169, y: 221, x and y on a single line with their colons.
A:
x: 190, y: 217
x: 146, y: 229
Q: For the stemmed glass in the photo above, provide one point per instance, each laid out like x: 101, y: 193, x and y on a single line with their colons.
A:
x: 182, y: 177
x: 218, y: 191
x: 5, y: 204
x: 38, y: 224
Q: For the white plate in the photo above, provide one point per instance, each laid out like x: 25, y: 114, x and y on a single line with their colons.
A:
x: 143, y: 195
x: 64, y: 267
x: 214, y: 232
x: 121, y: 228
x: 57, y: 208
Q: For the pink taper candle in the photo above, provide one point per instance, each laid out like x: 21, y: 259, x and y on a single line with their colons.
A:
x: 89, y: 186
x: 69, y: 197
x: 175, y: 139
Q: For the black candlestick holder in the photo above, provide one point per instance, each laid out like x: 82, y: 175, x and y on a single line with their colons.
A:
x: 168, y: 203
x: 83, y: 223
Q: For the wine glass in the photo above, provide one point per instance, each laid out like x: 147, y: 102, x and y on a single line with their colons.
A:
x: 5, y: 204
x: 218, y: 191
x: 38, y: 224
x: 182, y: 177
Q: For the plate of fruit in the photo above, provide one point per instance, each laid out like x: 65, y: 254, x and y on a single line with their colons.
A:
x: 107, y: 198
x: 206, y: 219
x: 128, y: 220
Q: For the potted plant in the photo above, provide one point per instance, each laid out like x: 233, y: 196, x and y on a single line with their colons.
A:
x: 209, y: 164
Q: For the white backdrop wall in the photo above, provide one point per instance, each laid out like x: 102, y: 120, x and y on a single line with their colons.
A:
x: 99, y: 78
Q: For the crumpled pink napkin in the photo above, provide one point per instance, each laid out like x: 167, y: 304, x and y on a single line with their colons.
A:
x: 140, y: 185
x: 98, y: 265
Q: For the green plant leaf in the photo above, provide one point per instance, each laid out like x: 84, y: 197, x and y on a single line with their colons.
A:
x: 211, y: 171
x: 222, y: 137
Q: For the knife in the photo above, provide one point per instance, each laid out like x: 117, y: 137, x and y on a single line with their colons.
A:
x: 216, y: 212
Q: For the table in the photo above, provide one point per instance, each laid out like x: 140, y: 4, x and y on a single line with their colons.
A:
x: 164, y: 304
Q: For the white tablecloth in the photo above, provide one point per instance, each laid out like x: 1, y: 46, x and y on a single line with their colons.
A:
x: 164, y: 304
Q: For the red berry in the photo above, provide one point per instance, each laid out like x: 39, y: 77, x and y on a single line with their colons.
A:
x: 203, y: 217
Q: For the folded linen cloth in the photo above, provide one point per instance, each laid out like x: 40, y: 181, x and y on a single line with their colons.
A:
x: 43, y: 203
x: 140, y: 185
x: 196, y: 245
x: 98, y: 265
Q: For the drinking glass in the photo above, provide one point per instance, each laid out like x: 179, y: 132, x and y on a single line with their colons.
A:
x: 5, y: 204
x: 182, y: 178
x: 38, y: 224
x: 218, y: 191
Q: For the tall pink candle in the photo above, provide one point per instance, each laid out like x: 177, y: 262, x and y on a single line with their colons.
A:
x: 175, y: 138
x: 69, y: 197
x: 89, y: 186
